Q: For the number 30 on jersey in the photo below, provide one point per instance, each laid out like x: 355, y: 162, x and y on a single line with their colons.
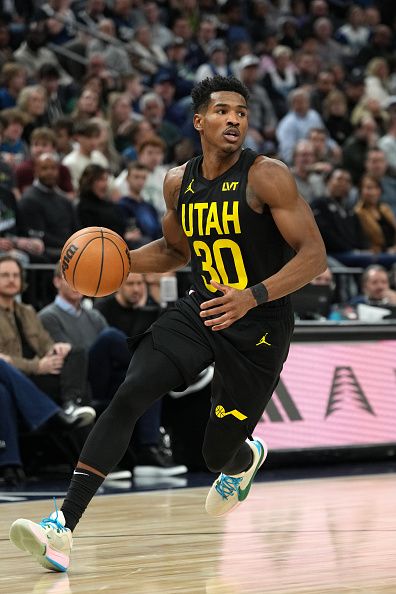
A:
x: 213, y: 263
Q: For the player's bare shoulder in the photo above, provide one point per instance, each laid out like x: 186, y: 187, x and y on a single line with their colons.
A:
x: 269, y: 182
x: 172, y: 184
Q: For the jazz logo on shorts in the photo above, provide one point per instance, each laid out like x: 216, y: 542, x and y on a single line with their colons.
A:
x: 263, y: 340
x: 220, y: 412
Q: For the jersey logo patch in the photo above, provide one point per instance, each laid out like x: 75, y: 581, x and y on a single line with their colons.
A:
x: 189, y: 187
x: 220, y: 412
x: 263, y: 340
x: 228, y: 186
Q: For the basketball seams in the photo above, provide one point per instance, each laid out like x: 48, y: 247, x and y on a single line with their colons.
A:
x: 101, y: 263
x: 94, y: 230
x: 78, y: 259
x: 121, y: 256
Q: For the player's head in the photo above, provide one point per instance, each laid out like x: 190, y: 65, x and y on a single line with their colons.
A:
x: 220, y: 112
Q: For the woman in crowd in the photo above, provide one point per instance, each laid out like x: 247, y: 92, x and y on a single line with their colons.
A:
x: 377, y: 219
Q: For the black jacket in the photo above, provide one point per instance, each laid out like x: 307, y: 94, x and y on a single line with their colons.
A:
x: 339, y: 226
x: 95, y: 212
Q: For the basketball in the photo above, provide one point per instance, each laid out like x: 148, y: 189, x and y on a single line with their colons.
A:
x: 95, y: 261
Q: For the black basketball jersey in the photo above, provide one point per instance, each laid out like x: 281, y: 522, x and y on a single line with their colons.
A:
x: 229, y: 242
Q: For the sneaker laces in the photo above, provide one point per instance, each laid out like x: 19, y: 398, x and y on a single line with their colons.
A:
x: 51, y: 522
x: 227, y: 485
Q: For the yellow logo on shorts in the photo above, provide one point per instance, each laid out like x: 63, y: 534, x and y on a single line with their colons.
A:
x: 263, y: 340
x: 220, y: 412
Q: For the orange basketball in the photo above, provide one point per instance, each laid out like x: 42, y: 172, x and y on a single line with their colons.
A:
x: 95, y: 261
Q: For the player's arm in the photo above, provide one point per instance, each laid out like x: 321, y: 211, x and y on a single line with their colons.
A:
x: 171, y: 251
x: 271, y: 184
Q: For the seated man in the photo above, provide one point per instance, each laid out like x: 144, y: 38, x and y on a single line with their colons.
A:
x: 375, y: 288
x: 46, y: 210
x: 20, y: 399
x: 54, y: 367
x: 42, y: 140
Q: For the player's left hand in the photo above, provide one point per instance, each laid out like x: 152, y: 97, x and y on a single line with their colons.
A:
x: 228, y: 308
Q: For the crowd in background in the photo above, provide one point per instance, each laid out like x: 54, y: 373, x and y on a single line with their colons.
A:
x: 95, y: 108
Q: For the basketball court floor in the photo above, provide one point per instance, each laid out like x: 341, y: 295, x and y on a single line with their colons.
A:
x: 328, y: 535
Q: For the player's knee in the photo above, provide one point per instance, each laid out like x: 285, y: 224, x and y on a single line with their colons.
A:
x: 131, y: 398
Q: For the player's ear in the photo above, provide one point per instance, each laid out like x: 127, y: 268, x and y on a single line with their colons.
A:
x: 197, y: 121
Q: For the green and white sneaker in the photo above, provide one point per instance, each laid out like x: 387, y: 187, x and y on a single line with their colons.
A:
x: 49, y: 542
x: 227, y: 492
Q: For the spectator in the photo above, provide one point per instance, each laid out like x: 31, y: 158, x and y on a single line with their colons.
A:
x: 339, y: 225
x: 87, y: 135
x: 91, y: 13
x: 280, y: 80
x: 377, y: 73
x: 6, y: 53
x: 57, y: 95
x: 42, y: 140
x: 48, y: 213
x: 22, y: 401
x: 115, y: 56
x: 153, y: 109
x: 139, y: 133
x: 159, y: 32
x: 13, y: 78
x: 151, y: 153
x: 354, y: 89
x: 95, y: 207
x: 327, y: 153
x: 121, y: 118
x: 125, y: 18
x: 88, y: 106
x: 217, y: 62
x: 62, y: 28
x: 13, y: 149
x: 335, y: 113
x: 32, y: 101
x: 141, y: 217
x: 132, y: 312
x: 7, y: 177
x: 329, y: 50
x: 297, y: 123
x: 147, y: 55
x: 54, y: 367
x: 309, y: 183
x: 354, y: 34
x: 13, y: 232
x: 63, y: 129
x: 106, y: 145
x: 376, y: 165
x: 387, y: 143
x: 377, y: 219
x: 183, y: 74
x: 199, y: 48
x: 325, y: 84
x: 67, y: 320
x: 175, y: 111
x: 356, y: 147
x: 262, y: 118
x: 32, y: 54
x: 307, y: 68
x: 375, y: 288
x: 380, y: 46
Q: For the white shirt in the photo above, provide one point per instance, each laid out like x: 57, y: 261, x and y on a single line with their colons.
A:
x: 76, y: 163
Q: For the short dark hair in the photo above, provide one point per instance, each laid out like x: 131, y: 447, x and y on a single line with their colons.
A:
x: 64, y: 123
x: 87, y: 129
x: 89, y: 176
x: 202, y: 91
x: 136, y: 166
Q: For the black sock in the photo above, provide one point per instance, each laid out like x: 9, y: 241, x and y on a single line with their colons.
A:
x: 83, y: 487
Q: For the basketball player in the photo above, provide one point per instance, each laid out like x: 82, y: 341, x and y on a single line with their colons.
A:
x: 251, y: 240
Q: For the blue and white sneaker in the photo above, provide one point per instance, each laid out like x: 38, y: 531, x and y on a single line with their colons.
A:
x: 227, y: 492
x: 49, y: 542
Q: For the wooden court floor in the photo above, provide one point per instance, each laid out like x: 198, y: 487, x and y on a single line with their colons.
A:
x: 317, y: 536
